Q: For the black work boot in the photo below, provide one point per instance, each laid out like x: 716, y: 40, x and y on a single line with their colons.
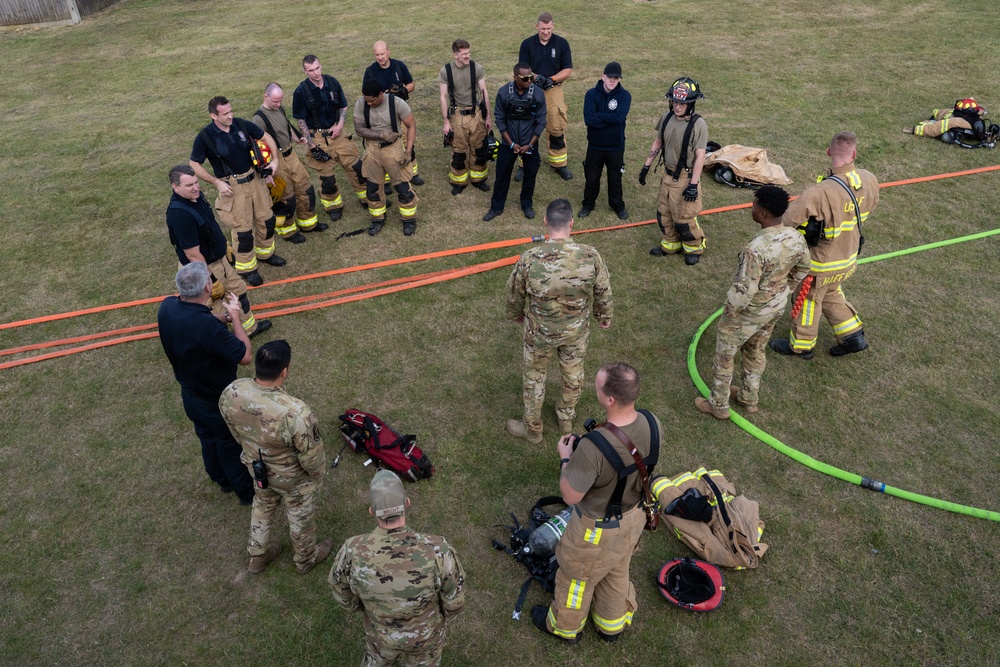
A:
x: 538, y: 614
x: 854, y: 343
x: 782, y: 346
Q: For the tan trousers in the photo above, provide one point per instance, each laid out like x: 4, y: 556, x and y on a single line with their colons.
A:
x: 826, y: 298
x: 246, y: 213
x: 297, y: 184
x: 466, y: 148
x: 344, y: 152
x: 556, y: 122
x: 678, y: 218
x: 393, y: 161
x: 593, y: 575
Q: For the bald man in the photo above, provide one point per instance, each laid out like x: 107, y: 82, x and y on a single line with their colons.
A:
x: 393, y: 77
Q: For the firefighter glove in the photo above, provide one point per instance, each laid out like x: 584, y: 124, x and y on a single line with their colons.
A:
x: 389, y: 136
x: 691, y: 192
x: 642, y: 174
x: 320, y: 155
x: 218, y: 291
x: 229, y: 253
x: 544, y: 82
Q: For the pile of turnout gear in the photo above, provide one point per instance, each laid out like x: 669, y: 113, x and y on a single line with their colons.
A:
x: 743, y: 166
x: 962, y: 125
x: 720, y: 527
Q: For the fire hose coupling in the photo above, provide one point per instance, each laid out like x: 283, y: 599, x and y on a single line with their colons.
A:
x: 872, y: 485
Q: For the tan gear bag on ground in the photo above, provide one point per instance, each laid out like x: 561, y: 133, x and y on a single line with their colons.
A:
x: 726, y: 534
x: 750, y: 166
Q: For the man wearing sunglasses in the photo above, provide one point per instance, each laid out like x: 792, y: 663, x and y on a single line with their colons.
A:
x: 519, y: 116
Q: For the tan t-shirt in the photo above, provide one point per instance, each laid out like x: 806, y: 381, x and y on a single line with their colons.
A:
x: 379, y: 116
x: 280, y: 124
x: 673, y: 137
x: 590, y: 473
x: 463, y: 83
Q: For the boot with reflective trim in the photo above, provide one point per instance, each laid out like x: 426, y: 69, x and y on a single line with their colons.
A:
x: 782, y: 346
x: 854, y: 343
x: 538, y: 615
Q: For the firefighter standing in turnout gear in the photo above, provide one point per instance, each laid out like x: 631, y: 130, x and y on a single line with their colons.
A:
x: 830, y: 215
x: 243, y: 204
x: 603, y: 531
x: 197, y: 237
x: 295, y: 210
x: 320, y: 108
x: 948, y: 124
x: 682, y: 135
x: 393, y: 76
x: 549, y: 57
x: 519, y: 113
x: 467, y: 120
x: 378, y: 118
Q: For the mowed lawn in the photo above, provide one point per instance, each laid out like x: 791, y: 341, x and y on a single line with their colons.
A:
x: 116, y: 548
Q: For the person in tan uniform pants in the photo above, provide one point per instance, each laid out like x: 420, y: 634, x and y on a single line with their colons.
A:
x: 682, y: 135
x: 295, y: 210
x: 319, y: 106
x: 830, y: 215
x: 466, y: 110
x: 603, y: 531
x: 378, y: 117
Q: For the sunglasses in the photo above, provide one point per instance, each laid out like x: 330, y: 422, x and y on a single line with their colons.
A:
x: 526, y: 79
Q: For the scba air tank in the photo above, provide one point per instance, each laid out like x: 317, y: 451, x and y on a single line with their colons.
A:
x: 544, y: 539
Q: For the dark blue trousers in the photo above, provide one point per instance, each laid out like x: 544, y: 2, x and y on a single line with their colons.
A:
x: 505, y: 168
x: 220, y: 452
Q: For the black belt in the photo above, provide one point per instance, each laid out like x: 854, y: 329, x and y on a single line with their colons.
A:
x: 286, y: 152
x: 467, y: 112
x: 245, y: 179
x: 325, y: 133
x: 384, y: 144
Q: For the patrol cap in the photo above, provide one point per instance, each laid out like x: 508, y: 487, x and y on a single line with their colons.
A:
x: 613, y: 69
x: 388, y: 498
x: 370, y: 88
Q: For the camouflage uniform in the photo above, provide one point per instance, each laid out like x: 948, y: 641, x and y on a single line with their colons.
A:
x: 409, y: 585
x: 771, y: 266
x: 834, y: 259
x: 552, y: 286
x: 284, y: 432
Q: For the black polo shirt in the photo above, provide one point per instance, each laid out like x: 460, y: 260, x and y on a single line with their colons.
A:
x: 202, y: 350
x: 546, y: 59
x: 320, y: 108
x: 232, y: 149
x: 396, y: 74
x: 191, y: 224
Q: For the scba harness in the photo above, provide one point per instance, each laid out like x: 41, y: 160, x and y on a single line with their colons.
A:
x: 533, y: 546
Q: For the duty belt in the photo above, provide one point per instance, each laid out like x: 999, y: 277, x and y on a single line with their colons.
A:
x: 470, y: 111
x: 285, y: 152
x: 244, y: 178
x: 325, y: 133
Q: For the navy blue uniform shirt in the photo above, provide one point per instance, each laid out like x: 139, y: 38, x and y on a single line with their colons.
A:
x: 202, y: 350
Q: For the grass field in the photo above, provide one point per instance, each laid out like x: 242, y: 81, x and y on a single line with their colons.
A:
x: 117, y: 550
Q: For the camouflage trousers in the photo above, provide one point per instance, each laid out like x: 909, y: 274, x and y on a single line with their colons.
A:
x: 537, y: 353
x: 299, y: 498
x: 415, y: 653
x: 746, y: 335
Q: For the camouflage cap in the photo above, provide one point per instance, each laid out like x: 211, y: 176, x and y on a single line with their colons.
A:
x: 388, y: 498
